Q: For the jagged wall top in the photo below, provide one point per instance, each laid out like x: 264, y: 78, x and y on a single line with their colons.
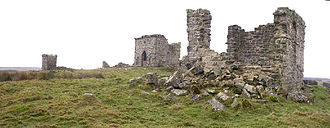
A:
x: 199, y: 32
x: 150, y: 36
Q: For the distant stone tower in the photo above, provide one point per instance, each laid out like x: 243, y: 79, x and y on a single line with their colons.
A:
x: 154, y: 50
x: 49, y: 62
x: 105, y: 64
x: 199, y: 32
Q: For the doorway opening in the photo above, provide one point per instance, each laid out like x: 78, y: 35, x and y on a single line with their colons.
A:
x: 144, y: 59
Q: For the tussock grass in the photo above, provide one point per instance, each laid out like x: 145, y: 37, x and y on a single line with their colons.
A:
x: 60, y: 102
x: 46, y: 75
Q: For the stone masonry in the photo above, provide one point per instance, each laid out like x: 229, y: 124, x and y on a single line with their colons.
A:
x: 259, y: 64
x: 271, y: 56
x: 278, y: 46
x: 199, y: 32
x: 49, y: 62
x: 154, y: 50
x: 275, y: 48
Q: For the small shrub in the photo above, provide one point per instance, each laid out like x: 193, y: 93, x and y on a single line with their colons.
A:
x: 246, y: 104
x: 42, y: 76
x: 273, y: 98
x: 196, y: 90
x: 237, y: 91
x: 67, y: 75
x: 32, y: 75
x: 19, y: 76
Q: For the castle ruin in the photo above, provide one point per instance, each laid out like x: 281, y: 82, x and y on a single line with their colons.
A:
x: 270, y: 57
x: 49, y: 62
x: 154, y: 50
x: 278, y: 46
x: 276, y: 49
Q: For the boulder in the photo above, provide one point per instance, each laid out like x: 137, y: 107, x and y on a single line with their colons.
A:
x: 210, y: 75
x: 152, y: 78
x: 179, y: 92
x: 260, y: 90
x: 239, y: 83
x: 210, y: 91
x: 246, y: 93
x: 234, y: 104
x: 300, y: 97
x: 325, y: 84
x: 88, y: 94
x: 121, y: 65
x: 162, y: 81
x: 140, y: 86
x: 216, y: 105
x: 179, y: 86
x: 174, y: 79
x: 197, y: 70
x: 250, y: 89
x: 205, y: 93
x: 168, y: 89
x: 196, y: 97
x: 136, y: 80
x: 222, y: 96
x: 310, y: 82
x: 144, y: 92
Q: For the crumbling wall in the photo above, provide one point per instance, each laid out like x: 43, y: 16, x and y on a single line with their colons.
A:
x: 278, y: 45
x: 253, y: 47
x: 199, y: 32
x: 49, y: 62
x: 289, y: 47
x: 265, y: 62
x: 173, y: 54
x: 154, y: 50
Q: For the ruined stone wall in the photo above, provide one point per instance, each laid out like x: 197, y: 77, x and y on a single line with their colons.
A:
x: 199, y: 32
x: 253, y: 47
x: 278, y: 46
x: 289, y: 40
x: 49, y: 62
x: 173, y: 54
x: 157, y: 51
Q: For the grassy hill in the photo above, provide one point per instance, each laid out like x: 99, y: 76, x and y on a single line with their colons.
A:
x: 61, y: 102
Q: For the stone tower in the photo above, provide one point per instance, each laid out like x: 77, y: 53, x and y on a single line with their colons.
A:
x: 154, y: 50
x: 289, y: 39
x: 199, y: 24
x: 49, y: 62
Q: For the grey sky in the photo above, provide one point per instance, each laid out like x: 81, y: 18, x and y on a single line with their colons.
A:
x: 83, y: 33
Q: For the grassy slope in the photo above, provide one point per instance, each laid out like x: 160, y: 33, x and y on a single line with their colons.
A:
x: 61, y: 103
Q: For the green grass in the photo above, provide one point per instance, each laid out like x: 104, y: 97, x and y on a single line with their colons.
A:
x: 61, y: 103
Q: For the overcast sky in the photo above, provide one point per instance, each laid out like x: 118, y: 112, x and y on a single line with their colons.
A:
x: 83, y: 33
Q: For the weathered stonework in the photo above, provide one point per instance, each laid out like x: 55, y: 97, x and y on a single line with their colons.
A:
x: 265, y: 63
x: 199, y: 32
x: 49, y: 62
x: 105, y: 65
x: 275, y: 48
x: 278, y: 45
x: 154, y: 50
